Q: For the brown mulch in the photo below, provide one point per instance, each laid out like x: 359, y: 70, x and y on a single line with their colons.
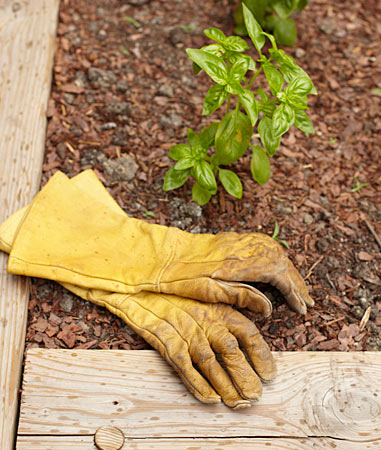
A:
x: 123, y: 92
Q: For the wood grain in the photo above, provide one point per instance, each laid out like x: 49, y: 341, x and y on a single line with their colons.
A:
x: 316, y: 395
x: 27, y: 35
x: 87, y: 443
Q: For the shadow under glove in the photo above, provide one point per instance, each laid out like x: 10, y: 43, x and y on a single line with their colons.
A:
x: 70, y: 237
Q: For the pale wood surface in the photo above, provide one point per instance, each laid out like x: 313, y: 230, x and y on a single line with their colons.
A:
x: 27, y: 36
x: 327, y: 395
x: 87, y: 443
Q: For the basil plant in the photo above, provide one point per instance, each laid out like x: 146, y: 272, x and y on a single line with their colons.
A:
x: 270, y: 110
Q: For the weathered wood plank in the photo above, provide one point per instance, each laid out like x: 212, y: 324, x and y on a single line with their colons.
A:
x: 27, y: 36
x: 87, y: 443
x: 316, y: 395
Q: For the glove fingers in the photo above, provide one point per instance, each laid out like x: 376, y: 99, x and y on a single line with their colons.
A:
x: 244, y: 378
x: 138, y: 312
x: 253, y: 343
x: 220, y: 380
x: 211, y: 290
x: 291, y: 284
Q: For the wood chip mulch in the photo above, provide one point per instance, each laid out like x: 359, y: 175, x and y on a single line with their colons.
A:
x: 123, y: 92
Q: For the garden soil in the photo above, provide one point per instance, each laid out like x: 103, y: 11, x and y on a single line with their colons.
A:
x: 123, y: 93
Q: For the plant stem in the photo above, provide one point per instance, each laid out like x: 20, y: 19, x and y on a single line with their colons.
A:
x: 228, y: 104
x: 254, y: 77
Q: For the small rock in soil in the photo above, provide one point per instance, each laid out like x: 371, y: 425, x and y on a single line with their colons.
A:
x: 121, y: 86
x: 108, y: 126
x: 120, y: 138
x: 176, y: 36
x: 166, y: 90
x: 80, y: 78
x: 173, y: 121
x: 322, y: 244
x: 67, y: 302
x: 137, y: 2
x: 89, y: 97
x: 332, y: 262
x: 93, y: 157
x: 100, y: 78
x: 121, y: 169
x: 118, y: 108
x: 308, y: 219
x: 44, y: 291
x: 76, y: 131
x: 61, y: 150
x: 101, y: 35
x: 69, y: 98
x: 358, y: 312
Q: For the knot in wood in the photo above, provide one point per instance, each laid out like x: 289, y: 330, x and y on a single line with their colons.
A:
x: 109, y: 438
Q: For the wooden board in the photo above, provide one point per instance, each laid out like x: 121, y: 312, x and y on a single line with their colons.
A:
x: 319, y: 398
x: 27, y: 36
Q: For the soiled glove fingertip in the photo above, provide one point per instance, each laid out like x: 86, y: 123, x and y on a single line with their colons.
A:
x: 212, y: 400
x: 241, y: 404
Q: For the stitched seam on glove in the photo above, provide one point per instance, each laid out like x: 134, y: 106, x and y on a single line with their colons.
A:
x: 174, y: 232
x: 65, y: 269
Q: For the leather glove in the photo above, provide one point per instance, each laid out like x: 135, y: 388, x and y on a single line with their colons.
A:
x: 189, y: 333
x: 185, y: 332
x: 70, y: 237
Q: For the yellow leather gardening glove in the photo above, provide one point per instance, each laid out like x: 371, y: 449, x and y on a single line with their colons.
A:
x: 188, y: 332
x: 184, y: 331
x: 70, y: 237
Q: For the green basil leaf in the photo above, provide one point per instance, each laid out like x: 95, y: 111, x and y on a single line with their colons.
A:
x: 274, y: 78
x: 179, y: 151
x: 208, y: 134
x: 215, y: 34
x: 281, y: 57
x: 185, y: 163
x: 301, y: 5
x: 200, y: 195
x: 292, y: 72
x: 234, y: 57
x: 235, y: 44
x: 253, y: 28
x: 205, y: 176
x: 303, y: 122
x: 269, y: 22
x: 267, y: 106
x: 230, y: 182
x: 196, y: 69
x: 198, y: 151
x: 271, y: 38
x: 211, y: 64
x: 283, y: 119
x: 284, y: 7
x: 260, y: 165
x: 232, y: 137
x: 250, y: 104
x: 257, y: 8
x: 270, y: 142
x: 214, y: 49
x: 285, y: 32
x: 174, y: 179
x: 193, y: 139
x: 300, y: 86
x: 214, y: 98
x: 297, y: 101
x: 234, y: 87
x: 238, y: 70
